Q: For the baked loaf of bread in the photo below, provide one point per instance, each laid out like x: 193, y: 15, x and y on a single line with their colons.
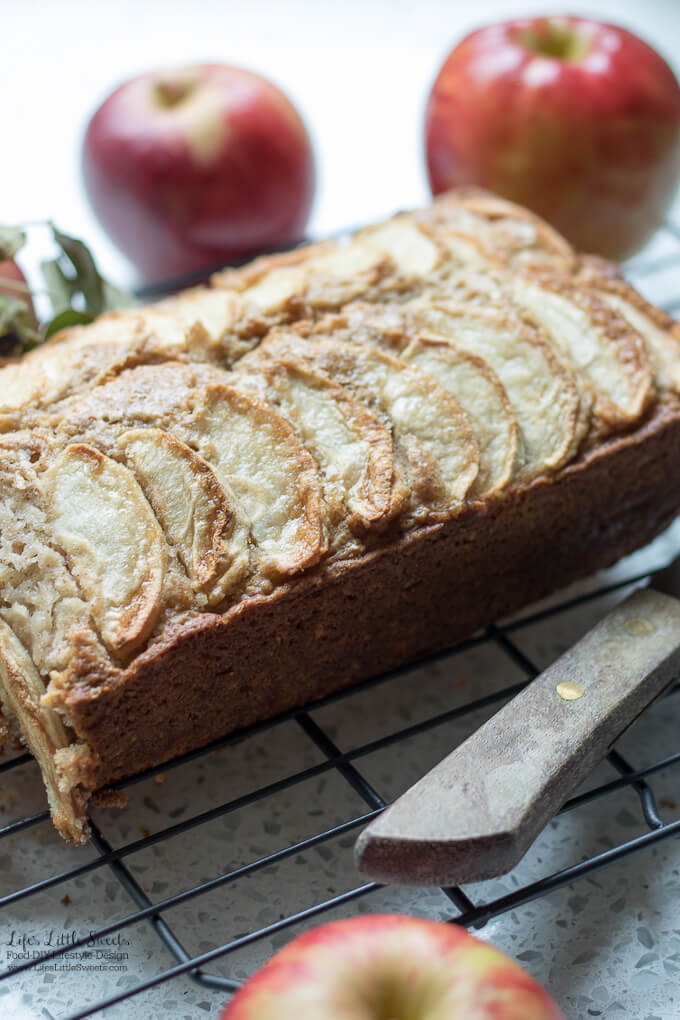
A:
x: 324, y: 465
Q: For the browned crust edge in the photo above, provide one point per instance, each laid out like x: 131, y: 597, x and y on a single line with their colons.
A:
x: 351, y: 620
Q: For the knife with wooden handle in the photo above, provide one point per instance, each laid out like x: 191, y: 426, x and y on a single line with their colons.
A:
x: 474, y: 815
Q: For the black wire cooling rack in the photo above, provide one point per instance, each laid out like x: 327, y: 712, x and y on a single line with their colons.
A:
x: 465, y: 910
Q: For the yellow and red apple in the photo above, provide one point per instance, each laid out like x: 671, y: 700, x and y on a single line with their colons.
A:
x: 390, y: 967
x: 578, y: 120
x: 192, y: 168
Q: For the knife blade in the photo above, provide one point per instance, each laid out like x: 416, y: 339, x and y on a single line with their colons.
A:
x: 476, y: 813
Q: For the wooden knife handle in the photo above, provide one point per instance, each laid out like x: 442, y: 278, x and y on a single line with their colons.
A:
x: 475, y: 814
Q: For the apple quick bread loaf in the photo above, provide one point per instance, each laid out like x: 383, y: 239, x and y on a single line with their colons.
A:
x: 324, y: 465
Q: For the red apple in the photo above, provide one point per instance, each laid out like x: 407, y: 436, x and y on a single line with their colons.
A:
x: 390, y: 967
x: 577, y: 120
x: 13, y: 282
x: 192, y: 168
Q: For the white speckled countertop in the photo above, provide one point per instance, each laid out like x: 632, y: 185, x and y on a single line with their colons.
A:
x: 607, y: 945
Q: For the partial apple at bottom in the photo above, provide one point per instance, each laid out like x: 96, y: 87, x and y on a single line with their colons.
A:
x: 390, y: 967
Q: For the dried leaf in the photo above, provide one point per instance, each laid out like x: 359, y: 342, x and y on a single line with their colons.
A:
x: 10, y: 308
x: 86, y: 279
x: 11, y: 240
x: 69, y: 317
x: 16, y: 321
x: 76, y: 290
x: 115, y: 298
x: 60, y: 289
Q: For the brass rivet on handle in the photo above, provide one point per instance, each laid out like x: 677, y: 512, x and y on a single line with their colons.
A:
x: 639, y: 627
x: 570, y: 690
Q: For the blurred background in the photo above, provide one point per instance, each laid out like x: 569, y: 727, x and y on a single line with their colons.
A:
x: 358, y: 70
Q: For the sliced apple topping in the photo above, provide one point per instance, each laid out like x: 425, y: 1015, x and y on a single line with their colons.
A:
x: 411, y: 250
x: 247, y: 276
x: 504, y: 229
x: 346, y: 273
x: 213, y: 310
x: 659, y: 331
x: 70, y: 361
x: 21, y: 691
x: 329, y: 280
x: 468, y: 268
x: 597, y: 341
x: 193, y: 322
x: 20, y: 387
x: 172, y: 397
x: 193, y: 325
x: 351, y: 446
x: 198, y: 517
x: 165, y: 327
x: 466, y: 376
x: 122, y: 327
x: 256, y: 453
x: 543, y: 394
x: 277, y: 288
x: 116, y: 548
x: 41, y: 600
x: 663, y: 345
x: 432, y: 434
x: 485, y: 401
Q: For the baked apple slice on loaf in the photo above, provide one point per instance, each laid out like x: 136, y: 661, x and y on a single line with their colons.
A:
x: 551, y: 412
x: 661, y: 334
x: 432, y: 435
x: 504, y: 230
x: 352, y: 447
x: 199, y: 517
x: 100, y: 518
x: 466, y: 376
x: 269, y: 480
x: 598, y: 341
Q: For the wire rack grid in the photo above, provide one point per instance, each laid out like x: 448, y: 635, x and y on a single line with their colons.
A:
x: 474, y: 907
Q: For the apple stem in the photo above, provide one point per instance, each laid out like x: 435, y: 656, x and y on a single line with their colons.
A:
x: 555, y: 40
x: 170, y: 92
